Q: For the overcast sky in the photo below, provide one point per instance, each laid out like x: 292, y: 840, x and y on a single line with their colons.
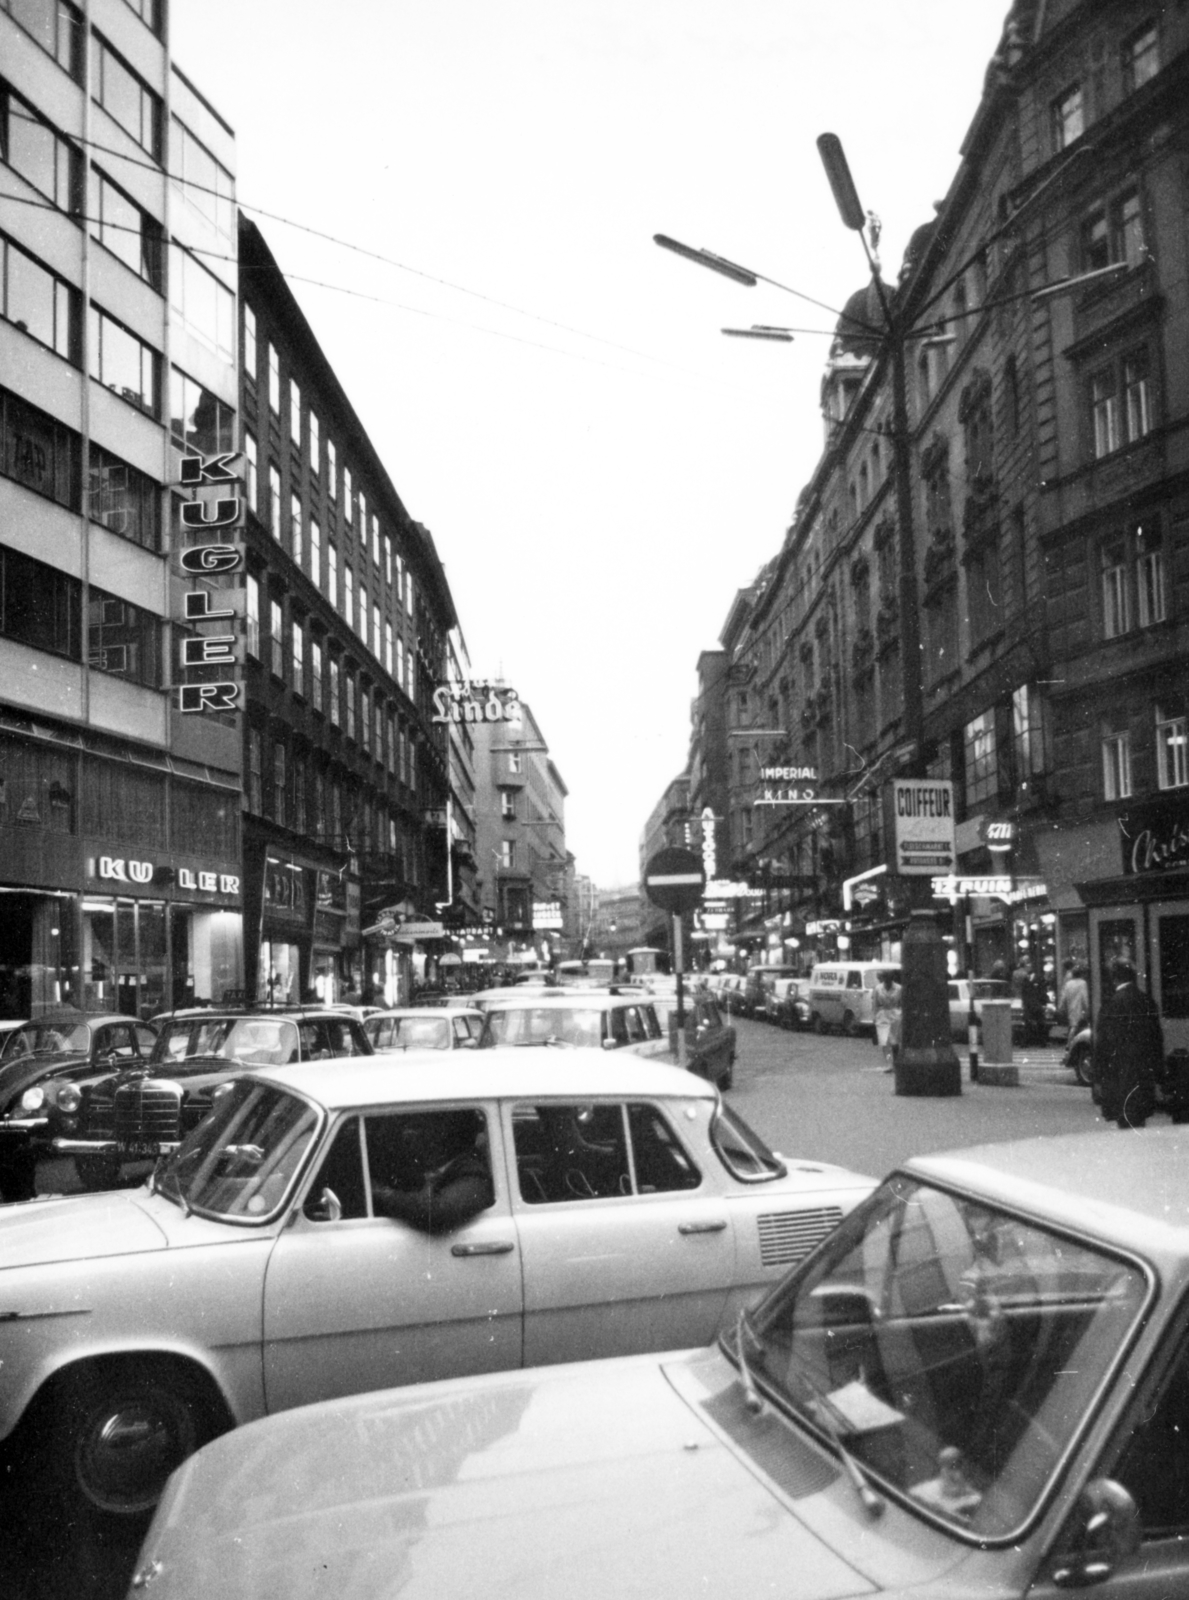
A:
x: 600, y: 468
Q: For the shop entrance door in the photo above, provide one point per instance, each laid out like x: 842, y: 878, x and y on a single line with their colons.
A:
x: 1115, y: 931
x: 16, y: 956
x: 1170, y: 970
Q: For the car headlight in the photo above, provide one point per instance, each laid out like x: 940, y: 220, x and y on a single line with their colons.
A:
x: 33, y: 1099
x: 70, y: 1097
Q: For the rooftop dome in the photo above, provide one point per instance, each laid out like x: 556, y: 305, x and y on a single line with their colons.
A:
x: 863, y: 307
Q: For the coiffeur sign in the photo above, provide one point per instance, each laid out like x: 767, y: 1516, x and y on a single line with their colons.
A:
x: 920, y: 823
x: 219, y: 603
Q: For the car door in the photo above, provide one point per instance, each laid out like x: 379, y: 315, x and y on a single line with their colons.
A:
x: 354, y: 1300
x: 626, y: 1244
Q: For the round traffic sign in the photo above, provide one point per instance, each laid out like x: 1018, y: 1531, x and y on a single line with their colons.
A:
x: 674, y: 880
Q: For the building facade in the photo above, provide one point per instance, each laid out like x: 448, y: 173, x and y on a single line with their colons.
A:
x: 347, y: 791
x: 120, y: 774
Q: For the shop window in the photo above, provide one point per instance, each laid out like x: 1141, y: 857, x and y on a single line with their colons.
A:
x: 119, y: 802
x: 1140, y: 56
x: 38, y: 453
x: 123, y: 640
x: 204, y: 184
x: 56, y: 26
x: 202, y: 812
x: 205, y: 305
x: 1068, y: 116
x: 123, y: 500
x: 1174, y: 966
x: 38, y: 302
x: 39, y: 153
x: 37, y: 787
x: 122, y: 227
x: 1172, y: 748
x: 127, y: 100
x: 40, y: 605
x: 1116, y: 763
x: 199, y: 420
x: 981, y: 760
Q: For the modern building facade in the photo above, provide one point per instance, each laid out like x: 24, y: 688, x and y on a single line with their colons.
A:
x: 120, y: 841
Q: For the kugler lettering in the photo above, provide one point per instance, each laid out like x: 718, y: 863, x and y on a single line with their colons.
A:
x: 210, y: 513
x: 207, y: 558
x: 209, y: 469
x: 208, y: 697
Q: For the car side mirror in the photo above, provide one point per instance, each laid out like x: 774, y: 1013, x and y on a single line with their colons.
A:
x: 326, y: 1208
x: 1104, y: 1529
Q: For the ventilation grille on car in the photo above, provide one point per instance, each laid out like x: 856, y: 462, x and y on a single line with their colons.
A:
x: 786, y: 1236
x: 146, y: 1110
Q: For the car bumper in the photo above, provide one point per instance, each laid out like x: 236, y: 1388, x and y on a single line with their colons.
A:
x: 125, y: 1150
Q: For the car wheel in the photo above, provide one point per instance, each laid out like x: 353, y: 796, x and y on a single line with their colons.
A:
x: 116, y: 1434
x: 1081, y: 1067
x: 97, y: 1172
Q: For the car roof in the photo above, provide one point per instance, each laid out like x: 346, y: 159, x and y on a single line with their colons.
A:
x: 438, y: 1013
x: 430, y: 1076
x: 571, y: 999
x: 1127, y: 1189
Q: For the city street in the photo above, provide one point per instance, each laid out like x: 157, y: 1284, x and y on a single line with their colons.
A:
x: 826, y: 1096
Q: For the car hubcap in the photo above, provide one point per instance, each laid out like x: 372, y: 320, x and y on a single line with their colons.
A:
x: 129, y: 1449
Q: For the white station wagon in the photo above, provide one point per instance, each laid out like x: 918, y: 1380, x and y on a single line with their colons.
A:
x: 343, y: 1226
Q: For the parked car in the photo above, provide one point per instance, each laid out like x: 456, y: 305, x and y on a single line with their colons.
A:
x: 64, y: 1047
x: 601, y: 1019
x: 424, y: 1028
x: 962, y: 991
x: 977, y: 1386
x: 709, y: 1041
x: 788, y: 1003
x: 626, y: 1209
x: 730, y: 992
x: 127, y: 1108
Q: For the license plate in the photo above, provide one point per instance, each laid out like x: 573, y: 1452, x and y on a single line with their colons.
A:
x: 139, y: 1152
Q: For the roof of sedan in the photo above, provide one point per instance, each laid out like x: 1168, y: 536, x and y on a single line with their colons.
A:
x: 531, y: 1074
x: 1129, y: 1187
x: 438, y: 1013
x: 569, y: 999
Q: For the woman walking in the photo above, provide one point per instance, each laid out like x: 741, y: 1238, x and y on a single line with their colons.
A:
x: 886, y: 1012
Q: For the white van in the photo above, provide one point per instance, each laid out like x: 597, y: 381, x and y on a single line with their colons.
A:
x: 841, y: 994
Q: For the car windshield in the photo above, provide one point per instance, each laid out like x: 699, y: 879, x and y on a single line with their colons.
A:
x: 248, y: 1041
x: 741, y: 1150
x: 544, y: 1025
x: 49, y: 1039
x: 242, y: 1159
x: 954, y: 1348
x: 405, y: 1033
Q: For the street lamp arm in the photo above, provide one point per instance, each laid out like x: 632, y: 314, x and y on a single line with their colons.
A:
x: 707, y: 258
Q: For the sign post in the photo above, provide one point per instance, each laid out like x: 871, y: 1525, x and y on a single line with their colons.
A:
x: 674, y: 881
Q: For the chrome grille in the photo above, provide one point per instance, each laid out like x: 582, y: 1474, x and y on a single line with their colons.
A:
x: 786, y: 1236
x: 147, y: 1110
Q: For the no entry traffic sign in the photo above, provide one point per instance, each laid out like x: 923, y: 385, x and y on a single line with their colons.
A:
x: 674, y: 880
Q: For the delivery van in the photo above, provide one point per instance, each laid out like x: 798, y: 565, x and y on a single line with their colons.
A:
x: 841, y: 994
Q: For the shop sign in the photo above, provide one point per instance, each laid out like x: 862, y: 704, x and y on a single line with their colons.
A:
x: 476, y: 700
x: 723, y: 889
x: 998, y: 833
x: 920, y: 822
x: 124, y: 869
x: 987, y: 888
x: 408, y: 932
x: 1155, y: 837
x: 709, y: 844
x: 221, y: 515
x: 547, y: 914
x: 716, y: 921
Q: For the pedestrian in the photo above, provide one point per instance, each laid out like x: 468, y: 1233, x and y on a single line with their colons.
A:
x: 1075, y: 997
x: 886, y: 1010
x: 1128, y: 1050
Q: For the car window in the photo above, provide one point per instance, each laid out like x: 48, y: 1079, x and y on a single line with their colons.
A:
x: 342, y: 1173
x: 635, y: 1027
x: 570, y: 1152
x: 1154, y: 1466
x: 651, y: 1021
x: 617, y: 1026
x: 662, y: 1163
x: 340, y: 1035
x: 854, y: 980
x: 430, y: 1169
x: 145, y: 1039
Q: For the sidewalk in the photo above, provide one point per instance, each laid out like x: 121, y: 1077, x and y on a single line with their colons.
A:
x: 1034, y: 1062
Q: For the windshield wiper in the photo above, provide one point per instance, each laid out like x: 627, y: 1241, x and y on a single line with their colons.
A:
x: 828, y: 1414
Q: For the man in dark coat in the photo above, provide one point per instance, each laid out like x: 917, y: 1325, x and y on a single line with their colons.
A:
x: 1128, y: 1050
